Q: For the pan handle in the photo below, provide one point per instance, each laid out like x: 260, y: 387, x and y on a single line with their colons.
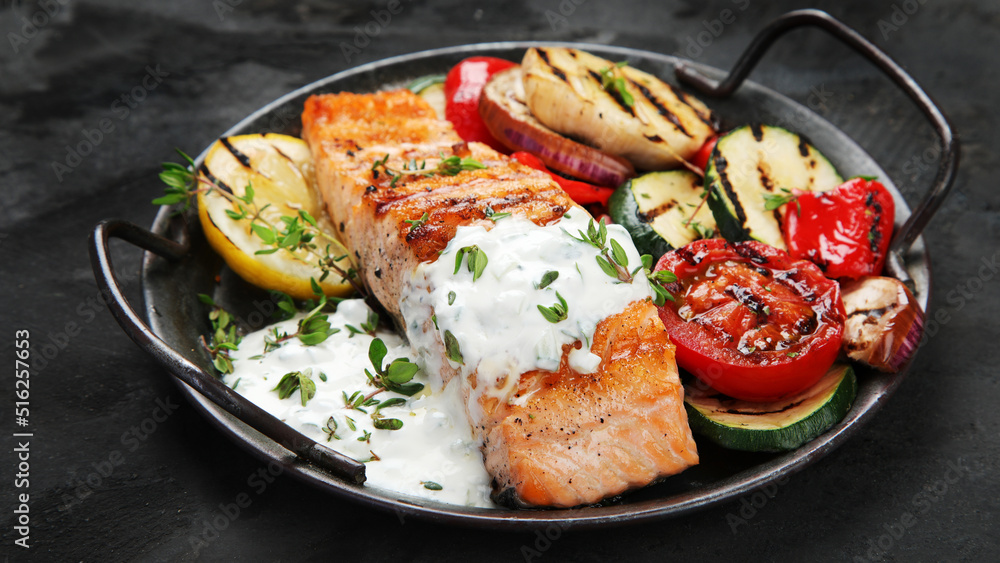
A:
x: 948, y: 164
x: 205, y: 383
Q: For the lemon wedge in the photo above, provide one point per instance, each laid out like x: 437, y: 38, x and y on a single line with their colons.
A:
x: 279, y: 169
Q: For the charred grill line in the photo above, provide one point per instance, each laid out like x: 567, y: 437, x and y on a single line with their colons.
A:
x: 211, y: 178
x: 660, y: 107
x: 721, y: 164
x: 555, y: 70
x: 244, y: 159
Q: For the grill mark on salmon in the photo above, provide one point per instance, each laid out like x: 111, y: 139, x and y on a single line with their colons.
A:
x: 565, y: 439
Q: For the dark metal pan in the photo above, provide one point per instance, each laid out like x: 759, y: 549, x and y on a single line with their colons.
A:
x: 178, y: 264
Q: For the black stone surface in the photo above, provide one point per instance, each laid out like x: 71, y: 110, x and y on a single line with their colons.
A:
x: 158, y: 489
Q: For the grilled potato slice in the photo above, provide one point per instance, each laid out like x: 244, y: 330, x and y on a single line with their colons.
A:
x: 661, y: 127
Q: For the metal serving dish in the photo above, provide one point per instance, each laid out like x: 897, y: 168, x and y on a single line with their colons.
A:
x: 179, y: 264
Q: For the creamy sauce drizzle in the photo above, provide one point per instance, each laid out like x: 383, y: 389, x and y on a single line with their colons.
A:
x: 435, y: 443
x: 498, y: 327
x: 495, y: 319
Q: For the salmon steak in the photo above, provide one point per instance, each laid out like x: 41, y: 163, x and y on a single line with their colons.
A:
x: 489, y: 269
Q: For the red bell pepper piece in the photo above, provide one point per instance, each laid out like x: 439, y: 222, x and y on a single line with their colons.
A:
x: 581, y: 192
x: 462, y: 88
x: 845, y: 231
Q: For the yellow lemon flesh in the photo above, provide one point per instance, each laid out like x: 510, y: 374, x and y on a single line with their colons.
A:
x: 280, y: 170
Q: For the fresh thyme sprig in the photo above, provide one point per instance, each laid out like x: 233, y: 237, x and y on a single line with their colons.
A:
x: 298, y: 235
x: 224, y: 336
x: 615, y: 85
x: 556, y: 313
x: 447, y: 166
x: 547, y: 279
x: 312, y: 329
x: 331, y: 429
x: 613, y: 261
x: 657, y: 280
x: 493, y: 215
x: 452, y: 349
x: 416, y: 223
x: 301, y: 380
x: 397, y: 376
x: 774, y: 201
x: 369, y: 327
x: 476, y: 263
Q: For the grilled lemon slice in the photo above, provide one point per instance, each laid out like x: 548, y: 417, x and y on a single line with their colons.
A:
x: 280, y: 170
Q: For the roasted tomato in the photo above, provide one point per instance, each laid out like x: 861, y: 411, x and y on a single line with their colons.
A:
x: 462, y: 88
x: 845, y: 231
x: 750, y: 321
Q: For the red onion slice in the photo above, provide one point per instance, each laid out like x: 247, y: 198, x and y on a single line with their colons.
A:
x: 508, y: 119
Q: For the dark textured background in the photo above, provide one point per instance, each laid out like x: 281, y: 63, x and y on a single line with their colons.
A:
x: 222, y: 63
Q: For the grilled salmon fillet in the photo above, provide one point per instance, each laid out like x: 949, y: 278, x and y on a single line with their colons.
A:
x: 564, y: 438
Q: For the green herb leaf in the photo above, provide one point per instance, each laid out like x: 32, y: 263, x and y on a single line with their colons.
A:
x: 452, y: 348
x: 265, y: 233
x: 393, y: 402
x: 415, y: 223
x: 387, y: 423
x: 451, y: 297
x: 547, y: 279
x: 431, y: 485
x: 647, y: 261
x: 476, y: 263
x: 296, y: 380
x: 615, y: 85
x: 376, y: 353
x: 663, y: 276
x: 401, y: 370
x: 618, y: 253
x: 557, y: 312
x: 606, y: 266
x: 774, y: 201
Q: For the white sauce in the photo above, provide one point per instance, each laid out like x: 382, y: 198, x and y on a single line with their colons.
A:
x: 500, y: 332
x: 495, y: 319
x: 435, y: 443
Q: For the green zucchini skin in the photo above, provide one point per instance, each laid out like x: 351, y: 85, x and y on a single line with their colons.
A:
x: 654, y: 206
x: 746, y: 426
x: 752, y: 161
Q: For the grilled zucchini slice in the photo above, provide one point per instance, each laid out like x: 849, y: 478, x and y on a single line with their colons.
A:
x: 772, y: 427
x: 755, y: 161
x: 655, y: 208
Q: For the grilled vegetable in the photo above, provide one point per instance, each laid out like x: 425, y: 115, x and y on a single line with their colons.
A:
x: 462, y: 88
x: 884, y: 322
x: 752, y: 170
x: 581, y: 192
x: 772, y: 427
x: 275, y: 172
x: 750, y: 321
x: 507, y: 117
x: 700, y: 158
x: 658, y: 209
x: 618, y: 109
x: 857, y: 215
x: 431, y: 89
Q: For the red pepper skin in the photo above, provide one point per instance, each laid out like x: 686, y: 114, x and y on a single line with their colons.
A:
x: 462, y: 88
x: 581, y: 192
x: 700, y: 158
x: 845, y: 231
